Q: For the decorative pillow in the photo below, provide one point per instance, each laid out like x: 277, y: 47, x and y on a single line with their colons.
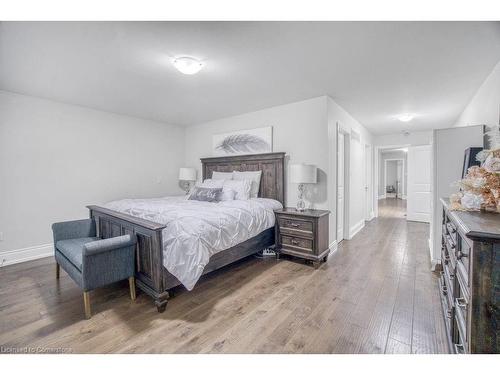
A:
x: 254, y: 176
x: 210, y: 183
x: 227, y: 195
x: 241, y: 188
x: 205, y: 194
x: 222, y: 175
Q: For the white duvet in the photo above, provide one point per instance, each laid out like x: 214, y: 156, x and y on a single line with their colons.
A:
x: 197, y: 230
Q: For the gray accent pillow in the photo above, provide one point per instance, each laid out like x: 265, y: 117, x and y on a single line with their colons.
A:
x: 205, y: 194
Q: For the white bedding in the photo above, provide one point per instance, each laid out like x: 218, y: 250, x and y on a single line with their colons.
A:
x: 197, y: 230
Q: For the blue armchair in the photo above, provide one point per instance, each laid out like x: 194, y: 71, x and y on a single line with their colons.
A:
x: 90, y: 261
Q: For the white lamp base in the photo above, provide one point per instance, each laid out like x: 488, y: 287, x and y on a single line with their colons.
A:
x: 301, y: 205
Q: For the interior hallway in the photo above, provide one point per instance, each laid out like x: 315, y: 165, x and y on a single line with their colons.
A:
x: 392, y: 207
x: 375, y: 294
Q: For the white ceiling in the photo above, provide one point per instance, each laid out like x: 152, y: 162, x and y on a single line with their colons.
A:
x: 375, y: 70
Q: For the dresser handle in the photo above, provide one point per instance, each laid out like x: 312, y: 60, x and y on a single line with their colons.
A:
x: 461, y: 303
x: 459, y: 348
x: 295, y: 242
x: 295, y: 225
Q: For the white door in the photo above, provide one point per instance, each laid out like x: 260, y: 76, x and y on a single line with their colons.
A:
x: 399, y: 179
x: 368, y: 182
x: 340, y: 186
x: 419, y: 184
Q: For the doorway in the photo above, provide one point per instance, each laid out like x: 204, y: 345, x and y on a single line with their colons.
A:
x: 343, y: 153
x: 392, y: 182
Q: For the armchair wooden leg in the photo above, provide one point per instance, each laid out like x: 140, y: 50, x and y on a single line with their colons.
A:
x: 58, y: 270
x: 131, y: 283
x: 86, y: 302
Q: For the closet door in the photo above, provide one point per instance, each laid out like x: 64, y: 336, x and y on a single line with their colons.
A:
x: 419, y: 184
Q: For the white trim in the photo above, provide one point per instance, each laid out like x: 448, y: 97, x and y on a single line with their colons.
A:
x: 26, y: 254
x: 347, y: 180
x: 434, y: 262
x: 356, y: 228
x: 371, y: 216
x: 381, y: 196
x: 333, y: 246
x: 403, y: 197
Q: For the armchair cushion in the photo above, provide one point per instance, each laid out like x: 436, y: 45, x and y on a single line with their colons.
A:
x: 108, y: 244
x: 72, y: 249
x: 73, y: 229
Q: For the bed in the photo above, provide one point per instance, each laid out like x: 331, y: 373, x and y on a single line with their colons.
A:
x: 151, y: 275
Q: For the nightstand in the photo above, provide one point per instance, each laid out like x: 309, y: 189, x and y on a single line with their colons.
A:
x: 302, y: 234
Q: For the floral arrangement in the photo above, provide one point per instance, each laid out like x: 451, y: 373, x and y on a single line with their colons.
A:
x: 480, y: 189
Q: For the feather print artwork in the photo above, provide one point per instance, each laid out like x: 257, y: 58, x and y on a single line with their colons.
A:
x: 251, y: 141
x: 243, y: 143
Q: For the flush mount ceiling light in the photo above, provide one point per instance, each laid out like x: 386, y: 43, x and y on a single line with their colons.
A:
x: 187, y: 65
x: 405, y: 117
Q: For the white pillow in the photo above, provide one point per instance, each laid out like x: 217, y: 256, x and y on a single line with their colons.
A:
x: 222, y: 175
x: 241, y: 188
x: 227, y: 195
x: 210, y: 183
x: 254, y: 176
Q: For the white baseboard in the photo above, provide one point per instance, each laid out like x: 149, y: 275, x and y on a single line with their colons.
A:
x: 333, y: 246
x: 356, y: 228
x: 381, y: 196
x: 403, y: 197
x: 23, y: 255
x: 371, y: 216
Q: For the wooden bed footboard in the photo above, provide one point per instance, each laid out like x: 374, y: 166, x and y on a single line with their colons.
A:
x: 151, y: 276
x: 149, y: 255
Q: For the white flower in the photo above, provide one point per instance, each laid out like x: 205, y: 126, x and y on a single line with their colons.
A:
x: 492, y: 164
x: 478, y: 183
x: 472, y: 201
x: 482, y: 155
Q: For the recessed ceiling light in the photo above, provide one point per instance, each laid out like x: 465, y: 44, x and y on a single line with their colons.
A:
x: 187, y: 65
x: 405, y: 117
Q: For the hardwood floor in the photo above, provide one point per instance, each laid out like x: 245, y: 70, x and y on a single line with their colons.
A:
x: 376, y: 294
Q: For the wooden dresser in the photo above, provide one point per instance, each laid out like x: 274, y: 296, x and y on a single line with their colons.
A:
x: 470, y: 280
x: 303, y: 234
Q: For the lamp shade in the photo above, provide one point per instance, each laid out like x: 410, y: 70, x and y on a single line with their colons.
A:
x: 303, y: 174
x: 187, y: 174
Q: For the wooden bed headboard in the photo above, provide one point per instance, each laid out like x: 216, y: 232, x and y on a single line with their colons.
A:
x: 272, y: 165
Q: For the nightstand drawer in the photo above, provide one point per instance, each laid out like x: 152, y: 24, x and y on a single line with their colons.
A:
x: 296, y: 224
x: 296, y: 243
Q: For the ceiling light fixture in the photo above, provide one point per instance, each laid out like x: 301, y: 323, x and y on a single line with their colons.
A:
x: 406, y: 117
x: 187, y: 65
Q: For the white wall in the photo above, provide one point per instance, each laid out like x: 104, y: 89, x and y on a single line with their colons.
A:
x: 448, y: 157
x: 306, y: 131
x: 399, y: 139
x: 299, y: 129
x: 484, y: 107
x: 57, y: 158
x: 337, y: 116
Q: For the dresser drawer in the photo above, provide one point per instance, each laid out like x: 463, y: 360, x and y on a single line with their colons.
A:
x: 449, y: 278
x: 463, y: 256
x: 296, y: 224
x: 296, y: 243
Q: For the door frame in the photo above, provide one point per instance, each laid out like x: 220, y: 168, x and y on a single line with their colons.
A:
x: 369, y: 214
x: 376, y: 156
x: 347, y: 178
x: 402, y: 176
